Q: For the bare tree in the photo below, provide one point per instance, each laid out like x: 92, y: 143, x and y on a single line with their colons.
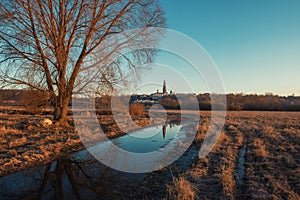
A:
x: 47, y: 44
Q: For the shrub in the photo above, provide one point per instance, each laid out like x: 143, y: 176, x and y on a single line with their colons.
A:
x: 136, y: 109
x: 169, y: 103
x: 33, y: 101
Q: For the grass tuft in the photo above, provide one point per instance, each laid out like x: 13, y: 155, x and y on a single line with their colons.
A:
x: 181, y: 189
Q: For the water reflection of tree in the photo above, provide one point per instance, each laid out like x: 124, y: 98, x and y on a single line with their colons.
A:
x: 66, y: 178
x: 85, y: 176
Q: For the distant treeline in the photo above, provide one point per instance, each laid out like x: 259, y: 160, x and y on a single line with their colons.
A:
x: 268, y: 101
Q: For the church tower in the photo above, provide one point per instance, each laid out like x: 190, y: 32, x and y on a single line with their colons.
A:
x: 164, y: 87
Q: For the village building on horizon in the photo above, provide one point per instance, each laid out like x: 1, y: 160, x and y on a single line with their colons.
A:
x: 152, y: 98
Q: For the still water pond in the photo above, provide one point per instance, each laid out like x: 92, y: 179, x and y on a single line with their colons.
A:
x: 139, y: 141
x: 80, y: 176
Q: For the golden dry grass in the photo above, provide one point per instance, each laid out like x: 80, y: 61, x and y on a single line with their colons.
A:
x: 181, y: 189
x: 271, y: 161
x: 136, y: 109
x: 229, y: 185
x: 260, y: 148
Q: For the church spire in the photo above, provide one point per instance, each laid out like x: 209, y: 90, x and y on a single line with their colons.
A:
x: 164, y: 87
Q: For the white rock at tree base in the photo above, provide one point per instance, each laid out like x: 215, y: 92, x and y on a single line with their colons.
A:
x: 47, y: 122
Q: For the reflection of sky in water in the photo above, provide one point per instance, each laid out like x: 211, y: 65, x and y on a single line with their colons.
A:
x: 91, y: 178
x: 140, y: 142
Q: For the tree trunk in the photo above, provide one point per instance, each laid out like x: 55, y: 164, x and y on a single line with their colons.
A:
x: 61, y: 109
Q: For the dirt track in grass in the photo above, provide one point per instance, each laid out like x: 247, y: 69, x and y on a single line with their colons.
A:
x: 271, y: 159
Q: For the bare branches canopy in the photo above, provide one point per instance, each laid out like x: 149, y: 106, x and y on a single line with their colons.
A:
x: 45, y: 43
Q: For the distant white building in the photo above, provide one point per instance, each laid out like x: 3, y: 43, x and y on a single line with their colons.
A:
x: 158, y: 94
x: 154, y: 97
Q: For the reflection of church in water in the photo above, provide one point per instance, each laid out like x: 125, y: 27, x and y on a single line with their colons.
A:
x: 164, y: 129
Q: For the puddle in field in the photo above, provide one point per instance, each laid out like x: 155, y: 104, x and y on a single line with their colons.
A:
x: 240, y: 172
x: 148, y: 139
x: 81, y: 176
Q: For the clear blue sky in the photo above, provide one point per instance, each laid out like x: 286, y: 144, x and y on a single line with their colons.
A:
x: 255, y: 43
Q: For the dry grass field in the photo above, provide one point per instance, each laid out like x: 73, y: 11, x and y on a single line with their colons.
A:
x: 257, y: 156
x: 269, y: 167
x: 25, y: 141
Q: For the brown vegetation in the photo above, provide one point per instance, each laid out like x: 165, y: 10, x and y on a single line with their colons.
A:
x: 181, y: 189
x: 136, y: 109
x: 33, y: 101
